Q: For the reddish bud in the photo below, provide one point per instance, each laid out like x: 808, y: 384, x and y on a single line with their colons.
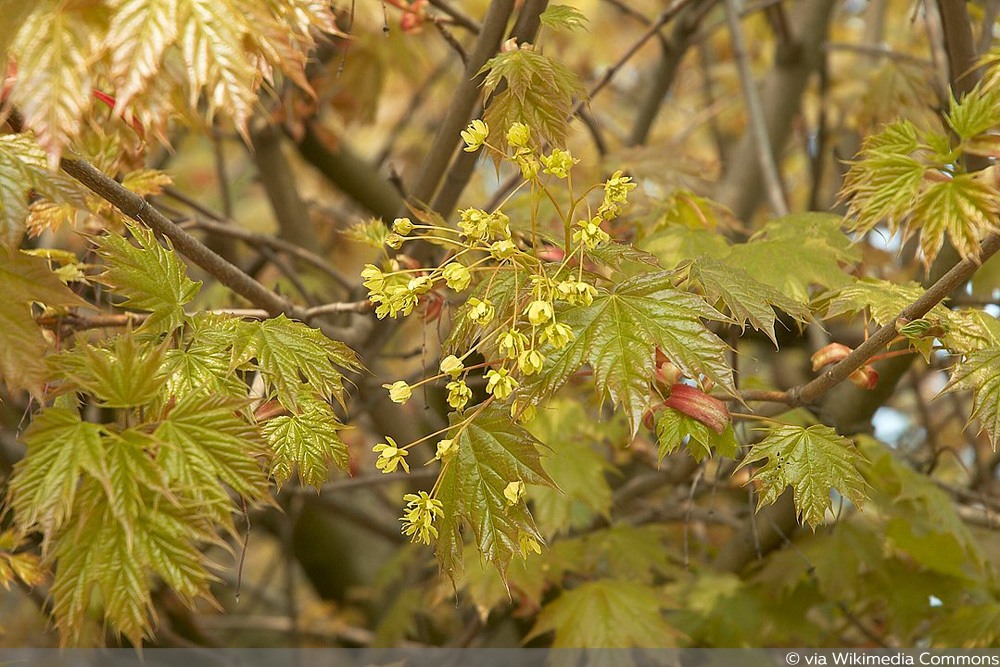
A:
x: 829, y: 354
x: 865, y: 377
x: 695, y: 403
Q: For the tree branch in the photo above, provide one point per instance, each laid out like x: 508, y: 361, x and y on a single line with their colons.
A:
x: 781, y: 97
x: 462, y: 102
x: 755, y: 114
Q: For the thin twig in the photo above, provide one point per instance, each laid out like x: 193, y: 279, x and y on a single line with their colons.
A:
x: 81, y: 322
x: 755, y: 112
x: 140, y: 210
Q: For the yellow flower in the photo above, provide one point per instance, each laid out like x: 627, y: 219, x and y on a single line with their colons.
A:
x: 475, y: 135
x: 390, y: 456
x: 530, y: 362
x: 590, y: 233
x: 459, y: 394
x: 481, y: 312
x: 456, y: 276
x: 420, y: 285
x: 539, y: 312
x: 452, y: 365
x: 500, y: 383
x: 519, y: 135
x: 514, y: 492
x: 445, y: 448
x: 528, y: 543
x: 418, y: 517
x: 558, y: 334
x: 399, y: 391
x: 511, y: 343
x: 502, y: 250
x: 558, y: 163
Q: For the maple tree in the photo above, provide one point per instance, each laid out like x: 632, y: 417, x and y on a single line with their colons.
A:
x: 579, y: 343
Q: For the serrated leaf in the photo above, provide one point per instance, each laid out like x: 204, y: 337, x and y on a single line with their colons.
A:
x: 748, y: 300
x: 60, y: 448
x: 980, y: 373
x: 150, y: 276
x: 673, y: 426
x: 813, y: 461
x: 539, y: 94
x: 212, y: 48
x: 200, y: 368
x: 563, y: 18
x: 809, y: 248
x: 608, y: 613
x: 963, y: 208
x: 55, y: 49
x: 127, y: 373
x: 616, y: 255
x: 972, y: 329
x: 617, y: 335
x: 205, y: 442
x: 24, y: 279
x: 977, y: 112
x: 285, y: 350
x: 139, y: 37
x: 493, y: 451
x: 306, y: 441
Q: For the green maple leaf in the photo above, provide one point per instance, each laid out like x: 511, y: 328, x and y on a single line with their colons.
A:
x: 286, y: 350
x: 205, y: 442
x: 493, y: 451
x: 617, y: 335
x: 126, y: 373
x: 748, y: 300
x: 809, y: 248
x: 607, y: 613
x: 151, y: 277
x: 26, y: 279
x: 104, y: 555
x: 307, y: 441
x: 980, y: 373
x: 60, y: 448
x: 539, y: 94
x: 672, y: 426
x: 812, y: 461
x: 200, y: 368
x: 563, y: 18
x: 970, y: 330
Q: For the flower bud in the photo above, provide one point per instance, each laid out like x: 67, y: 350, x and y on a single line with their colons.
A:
x: 399, y: 392
x: 829, y: 354
x: 452, y: 365
x: 695, y: 403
